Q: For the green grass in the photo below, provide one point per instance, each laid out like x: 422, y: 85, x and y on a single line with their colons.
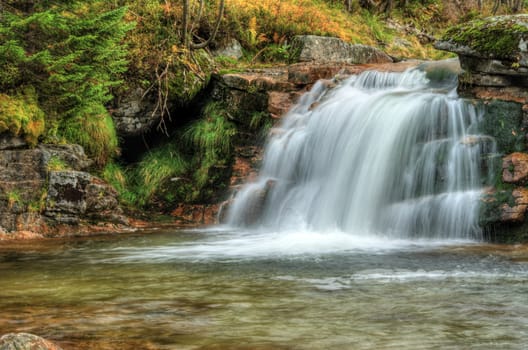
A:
x: 95, y: 131
x: 212, y: 133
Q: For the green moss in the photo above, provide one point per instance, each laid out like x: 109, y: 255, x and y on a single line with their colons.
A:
x: 496, y: 37
x: 56, y: 164
x: 122, y: 181
x: 503, y: 120
x: 21, y: 116
x: 189, y: 75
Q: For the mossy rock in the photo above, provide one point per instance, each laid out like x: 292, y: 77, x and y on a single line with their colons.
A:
x: 502, y: 120
x: 190, y: 74
x: 500, y: 37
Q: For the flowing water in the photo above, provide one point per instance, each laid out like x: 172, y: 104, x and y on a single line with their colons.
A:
x: 366, y: 238
x: 387, y: 154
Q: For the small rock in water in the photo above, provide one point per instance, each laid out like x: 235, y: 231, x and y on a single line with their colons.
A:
x: 26, y: 341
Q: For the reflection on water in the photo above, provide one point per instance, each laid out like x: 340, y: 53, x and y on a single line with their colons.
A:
x: 297, y: 290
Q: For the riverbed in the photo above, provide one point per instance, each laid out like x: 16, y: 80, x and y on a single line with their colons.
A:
x: 226, y: 289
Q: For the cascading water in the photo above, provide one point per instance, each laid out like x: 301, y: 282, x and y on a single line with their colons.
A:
x: 386, y: 154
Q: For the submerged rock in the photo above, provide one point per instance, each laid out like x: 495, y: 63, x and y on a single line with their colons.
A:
x: 26, y: 341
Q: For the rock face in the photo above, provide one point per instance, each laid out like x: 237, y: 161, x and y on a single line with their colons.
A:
x: 73, y: 195
x: 515, y: 168
x: 493, y: 51
x: 135, y: 113
x: 312, y: 48
x: 26, y: 341
x: 34, y: 197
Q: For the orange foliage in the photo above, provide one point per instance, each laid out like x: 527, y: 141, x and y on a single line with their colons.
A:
x: 280, y: 18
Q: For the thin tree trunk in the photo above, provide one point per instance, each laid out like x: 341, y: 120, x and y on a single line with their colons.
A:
x: 215, y: 30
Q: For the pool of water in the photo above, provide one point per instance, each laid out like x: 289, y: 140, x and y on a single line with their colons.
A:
x: 221, y: 289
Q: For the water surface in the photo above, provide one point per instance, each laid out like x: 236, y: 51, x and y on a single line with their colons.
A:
x: 291, y: 290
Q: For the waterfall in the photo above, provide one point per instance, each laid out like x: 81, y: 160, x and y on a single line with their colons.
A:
x: 388, y: 154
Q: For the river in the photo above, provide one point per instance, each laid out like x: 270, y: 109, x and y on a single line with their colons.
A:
x: 225, y: 289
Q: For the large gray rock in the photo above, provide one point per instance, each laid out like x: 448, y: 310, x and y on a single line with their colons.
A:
x: 493, y: 51
x: 32, y: 193
x: 74, y: 195
x: 26, y: 341
x: 312, y: 48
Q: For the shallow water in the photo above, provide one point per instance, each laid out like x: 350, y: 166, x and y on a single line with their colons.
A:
x: 290, y: 290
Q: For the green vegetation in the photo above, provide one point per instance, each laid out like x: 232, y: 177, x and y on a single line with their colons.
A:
x: 71, y: 54
x: 56, y: 164
x: 65, y: 62
x: 21, y: 116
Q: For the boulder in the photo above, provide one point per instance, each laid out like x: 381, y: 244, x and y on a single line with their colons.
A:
x: 312, y: 48
x: 75, y: 195
x: 493, y: 51
x: 231, y: 49
x: 26, y: 341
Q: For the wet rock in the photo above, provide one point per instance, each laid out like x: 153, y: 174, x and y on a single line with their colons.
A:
x: 515, y: 212
x: 312, y: 48
x: 503, y: 121
x: 195, y: 214
x: 26, y: 341
x: 515, y: 168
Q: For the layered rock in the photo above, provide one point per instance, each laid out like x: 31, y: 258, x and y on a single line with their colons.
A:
x: 35, y: 197
x: 493, y: 51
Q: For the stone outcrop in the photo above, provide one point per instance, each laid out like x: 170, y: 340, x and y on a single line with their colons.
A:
x: 493, y: 51
x: 35, y: 198
x: 26, y: 341
x: 515, y: 212
x: 320, y: 49
x: 231, y: 49
x: 75, y: 195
